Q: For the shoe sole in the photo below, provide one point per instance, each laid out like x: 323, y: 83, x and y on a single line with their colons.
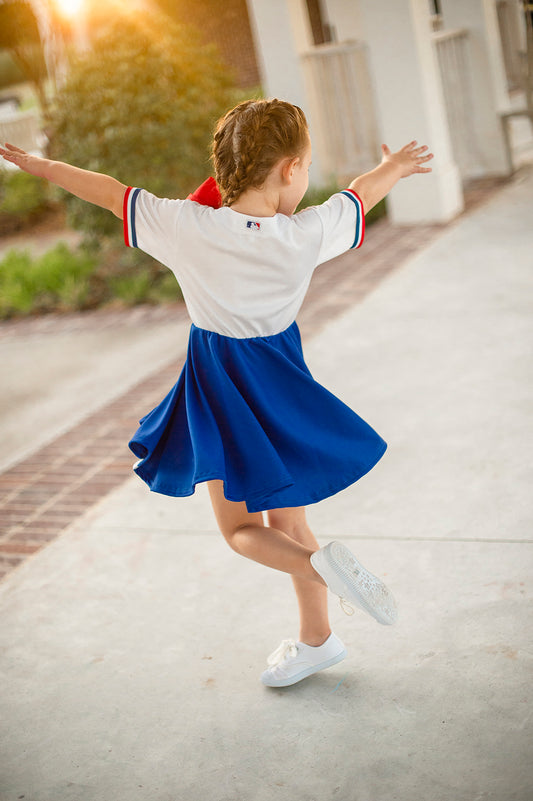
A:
x: 303, y: 674
x: 364, y: 589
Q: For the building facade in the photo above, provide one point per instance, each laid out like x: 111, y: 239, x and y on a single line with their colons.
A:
x: 372, y: 71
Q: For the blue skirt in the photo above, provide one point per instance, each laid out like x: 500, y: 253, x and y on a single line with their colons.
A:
x: 249, y: 412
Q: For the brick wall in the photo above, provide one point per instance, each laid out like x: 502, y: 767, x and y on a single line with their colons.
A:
x: 225, y: 24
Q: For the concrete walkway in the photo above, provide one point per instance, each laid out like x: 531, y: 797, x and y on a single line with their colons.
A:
x: 132, y: 645
x: 60, y: 368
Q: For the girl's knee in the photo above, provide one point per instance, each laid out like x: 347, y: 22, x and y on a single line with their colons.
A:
x: 230, y: 534
x: 291, y: 521
x: 231, y: 517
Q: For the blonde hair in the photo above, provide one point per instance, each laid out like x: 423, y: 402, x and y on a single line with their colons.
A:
x: 250, y: 139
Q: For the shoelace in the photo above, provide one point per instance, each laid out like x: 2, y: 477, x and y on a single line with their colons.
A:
x: 346, y: 607
x: 285, y: 649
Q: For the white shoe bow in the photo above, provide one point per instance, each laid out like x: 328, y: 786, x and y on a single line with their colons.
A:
x: 286, y: 648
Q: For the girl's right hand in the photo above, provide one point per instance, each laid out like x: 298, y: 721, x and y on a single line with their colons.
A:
x: 94, y: 187
x: 15, y: 155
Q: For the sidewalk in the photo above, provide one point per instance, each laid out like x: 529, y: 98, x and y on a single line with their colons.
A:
x: 132, y: 644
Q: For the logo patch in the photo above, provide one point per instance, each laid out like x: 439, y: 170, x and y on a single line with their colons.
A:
x: 255, y: 226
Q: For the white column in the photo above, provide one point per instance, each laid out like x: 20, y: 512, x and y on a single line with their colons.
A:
x: 275, y: 45
x: 410, y: 105
x: 344, y: 18
x: 281, y: 32
x: 486, y: 74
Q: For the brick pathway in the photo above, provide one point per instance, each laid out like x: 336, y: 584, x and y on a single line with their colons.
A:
x: 43, y: 494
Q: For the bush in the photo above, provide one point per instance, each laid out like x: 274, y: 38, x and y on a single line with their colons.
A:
x: 22, y: 198
x: 377, y: 212
x: 59, y: 280
x: 20, y: 37
x: 132, y: 289
x: 10, y: 72
x: 15, y: 294
x: 73, y: 280
x: 140, y: 106
x: 317, y: 195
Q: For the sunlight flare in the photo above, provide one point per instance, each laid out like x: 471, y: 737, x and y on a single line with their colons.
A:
x: 69, y: 8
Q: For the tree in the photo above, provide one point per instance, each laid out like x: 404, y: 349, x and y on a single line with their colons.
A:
x: 19, y: 35
x: 140, y: 105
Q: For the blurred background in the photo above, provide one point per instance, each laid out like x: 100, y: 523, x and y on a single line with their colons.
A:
x: 133, y: 88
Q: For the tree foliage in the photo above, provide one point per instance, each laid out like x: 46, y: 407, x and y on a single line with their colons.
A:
x: 140, y: 106
x: 19, y: 36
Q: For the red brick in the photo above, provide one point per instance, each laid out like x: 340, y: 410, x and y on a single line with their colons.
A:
x: 18, y: 548
x: 8, y: 562
x: 58, y: 516
x: 34, y: 532
x: 9, y: 516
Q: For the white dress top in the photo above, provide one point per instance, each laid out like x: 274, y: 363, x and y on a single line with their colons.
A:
x: 242, y: 276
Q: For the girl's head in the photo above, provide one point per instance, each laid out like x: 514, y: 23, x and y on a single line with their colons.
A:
x: 251, y: 139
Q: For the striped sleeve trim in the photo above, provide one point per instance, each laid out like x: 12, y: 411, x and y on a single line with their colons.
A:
x: 360, y: 217
x: 130, y: 199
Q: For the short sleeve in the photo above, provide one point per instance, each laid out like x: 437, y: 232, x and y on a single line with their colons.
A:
x: 343, y: 224
x: 151, y: 224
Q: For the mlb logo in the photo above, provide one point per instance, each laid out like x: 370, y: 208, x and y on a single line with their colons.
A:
x: 255, y: 226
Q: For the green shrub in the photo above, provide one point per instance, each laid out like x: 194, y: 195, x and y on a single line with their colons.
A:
x: 60, y: 277
x: 73, y: 294
x: 143, y: 286
x: 129, y: 275
x: 21, y: 38
x: 377, y: 212
x: 70, y: 280
x: 10, y: 72
x: 58, y: 280
x: 22, y: 196
x: 140, y: 106
x: 166, y: 289
x: 132, y: 289
x: 16, y: 296
x: 317, y: 195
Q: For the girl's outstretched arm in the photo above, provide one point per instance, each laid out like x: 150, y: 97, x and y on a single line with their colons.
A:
x: 374, y: 185
x: 102, y: 190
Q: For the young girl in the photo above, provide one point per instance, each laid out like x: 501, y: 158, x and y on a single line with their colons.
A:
x: 246, y: 415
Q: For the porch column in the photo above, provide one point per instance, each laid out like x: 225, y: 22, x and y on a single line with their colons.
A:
x: 410, y: 105
x: 281, y: 33
x: 486, y: 73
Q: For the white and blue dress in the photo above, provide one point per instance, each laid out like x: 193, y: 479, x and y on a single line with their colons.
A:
x: 245, y: 408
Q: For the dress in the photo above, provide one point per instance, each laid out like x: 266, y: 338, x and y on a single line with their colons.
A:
x: 246, y: 408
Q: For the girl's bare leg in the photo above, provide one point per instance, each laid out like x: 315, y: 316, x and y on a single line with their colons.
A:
x: 312, y: 597
x: 247, y: 535
x: 285, y: 545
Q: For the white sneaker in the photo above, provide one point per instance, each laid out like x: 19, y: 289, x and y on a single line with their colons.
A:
x: 294, y: 661
x: 348, y: 579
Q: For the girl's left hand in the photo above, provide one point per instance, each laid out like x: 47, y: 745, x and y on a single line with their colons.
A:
x: 32, y: 164
x: 409, y: 158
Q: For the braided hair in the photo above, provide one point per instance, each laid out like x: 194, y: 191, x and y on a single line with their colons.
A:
x: 250, y: 139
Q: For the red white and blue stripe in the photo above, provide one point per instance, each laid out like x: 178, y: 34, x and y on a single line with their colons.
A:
x: 131, y: 194
x: 130, y: 199
x: 359, y: 217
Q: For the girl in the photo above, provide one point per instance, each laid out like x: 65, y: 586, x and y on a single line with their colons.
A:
x: 246, y: 415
